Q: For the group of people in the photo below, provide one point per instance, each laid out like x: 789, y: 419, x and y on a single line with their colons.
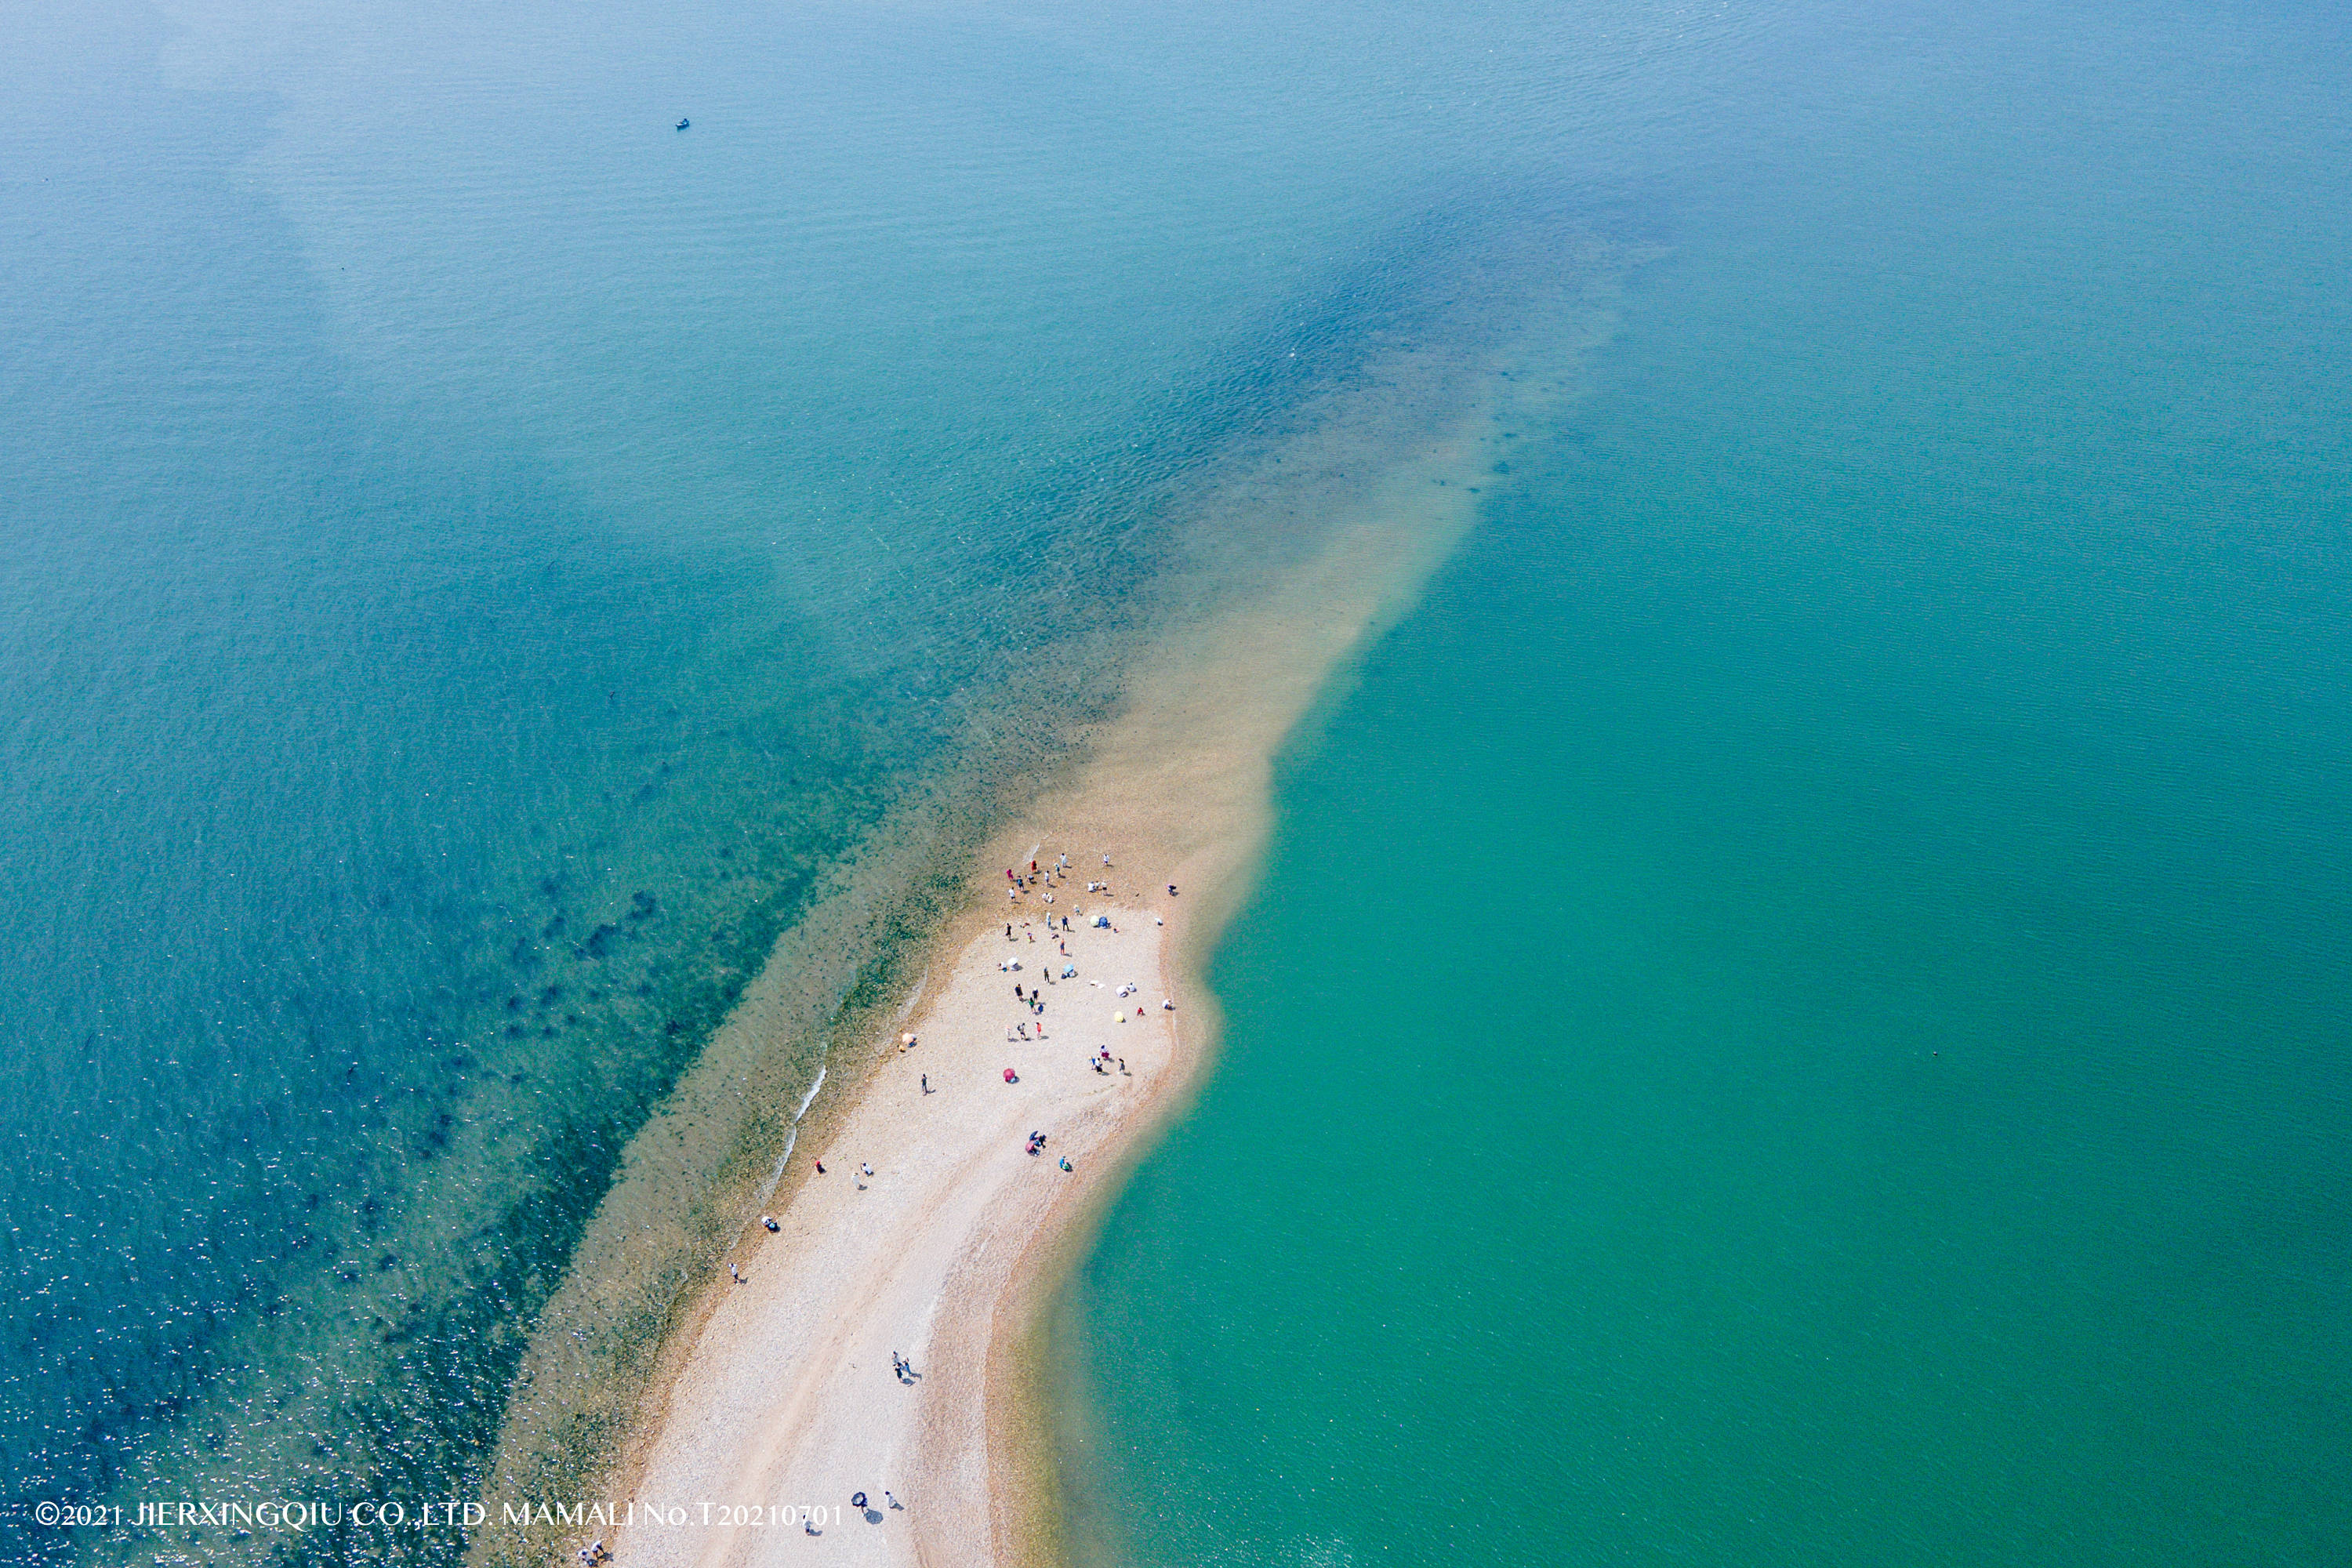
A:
x: 1033, y: 999
x: 1037, y: 878
x: 1037, y: 1146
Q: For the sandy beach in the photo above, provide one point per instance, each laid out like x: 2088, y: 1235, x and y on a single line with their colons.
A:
x: 787, y: 1403
x: 791, y: 1398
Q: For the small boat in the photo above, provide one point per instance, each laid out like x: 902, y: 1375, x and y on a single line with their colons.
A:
x: 684, y: 123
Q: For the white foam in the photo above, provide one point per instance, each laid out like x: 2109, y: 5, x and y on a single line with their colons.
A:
x: 768, y: 1189
x: 809, y: 1096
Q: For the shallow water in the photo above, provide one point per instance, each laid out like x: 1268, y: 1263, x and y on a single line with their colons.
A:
x: 1797, y: 1012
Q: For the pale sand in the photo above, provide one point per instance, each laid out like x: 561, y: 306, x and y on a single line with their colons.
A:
x: 787, y: 1397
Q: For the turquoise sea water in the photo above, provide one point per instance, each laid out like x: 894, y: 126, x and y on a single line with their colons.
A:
x: 1797, y: 1013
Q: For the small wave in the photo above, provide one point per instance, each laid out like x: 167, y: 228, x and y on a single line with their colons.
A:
x: 811, y: 1095
x: 768, y: 1187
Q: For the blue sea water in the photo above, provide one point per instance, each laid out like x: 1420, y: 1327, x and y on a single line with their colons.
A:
x: 1798, y: 1011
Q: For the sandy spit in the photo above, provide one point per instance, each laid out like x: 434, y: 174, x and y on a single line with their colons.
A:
x: 787, y: 1405
x: 777, y: 1402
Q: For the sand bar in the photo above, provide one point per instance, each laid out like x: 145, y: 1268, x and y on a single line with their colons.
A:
x: 780, y: 1394
x: 788, y: 1398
